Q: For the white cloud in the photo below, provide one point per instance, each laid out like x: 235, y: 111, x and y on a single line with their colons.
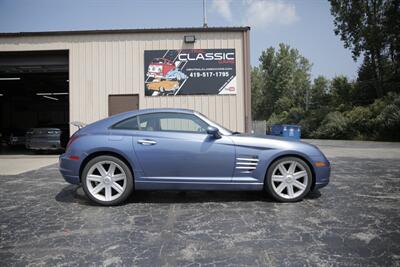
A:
x: 257, y: 13
x: 223, y: 7
x: 264, y: 13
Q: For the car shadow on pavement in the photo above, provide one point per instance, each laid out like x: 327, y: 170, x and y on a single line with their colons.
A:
x: 75, y: 194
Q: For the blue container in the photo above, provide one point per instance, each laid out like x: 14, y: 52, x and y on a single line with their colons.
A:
x: 286, y: 130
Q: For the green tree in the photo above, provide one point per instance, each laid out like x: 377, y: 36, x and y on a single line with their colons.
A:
x: 341, y: 90
x: 370, y: 28
x: 256, y: 82
x: 282, y: 82
x: 319, y: 106
x: 320, y: 96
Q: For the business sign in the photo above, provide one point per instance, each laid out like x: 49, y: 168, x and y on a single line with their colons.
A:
x: 190, y: 72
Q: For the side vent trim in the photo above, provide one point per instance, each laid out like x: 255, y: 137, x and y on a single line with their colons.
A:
x: 246, y: 164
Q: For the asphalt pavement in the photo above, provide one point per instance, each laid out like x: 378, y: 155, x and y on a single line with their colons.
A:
x: 354, y: 221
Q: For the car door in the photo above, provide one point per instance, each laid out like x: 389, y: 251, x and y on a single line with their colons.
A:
x: 176, y: 145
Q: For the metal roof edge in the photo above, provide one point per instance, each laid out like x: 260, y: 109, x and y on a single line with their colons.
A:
x: 127, y: 31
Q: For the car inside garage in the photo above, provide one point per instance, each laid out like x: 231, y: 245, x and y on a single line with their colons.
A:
x: 34, y: 101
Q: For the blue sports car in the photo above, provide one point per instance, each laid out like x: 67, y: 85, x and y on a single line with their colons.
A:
x: 176, y: 149
x: 176, y: 75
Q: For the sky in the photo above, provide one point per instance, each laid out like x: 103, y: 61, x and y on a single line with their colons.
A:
x: 306, y: 25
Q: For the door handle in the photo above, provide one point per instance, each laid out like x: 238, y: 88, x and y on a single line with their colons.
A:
x: 147, y: 142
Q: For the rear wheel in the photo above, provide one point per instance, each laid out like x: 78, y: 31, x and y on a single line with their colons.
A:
x: 288, y: 179
x: 107, y: 180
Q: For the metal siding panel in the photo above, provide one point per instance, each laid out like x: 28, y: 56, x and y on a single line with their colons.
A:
x: 128, y: 67
x: 218, y: 109
x: 109, y: 70
x: 190, y: 102
x: 122, y: 65
x: 136, y: 69
x: 197, y: 103
x: 163, y: 102
x: 103, y: 108
x: 114, y: 73
x: 204, y: 104
x: 95, y: 76
x: 211, y: 107
x: 184, y: 102
x: 88, y: 82
x: 226, y: 103
x: 82, y: 84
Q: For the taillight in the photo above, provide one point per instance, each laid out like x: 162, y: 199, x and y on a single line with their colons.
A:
x: 71, y: 140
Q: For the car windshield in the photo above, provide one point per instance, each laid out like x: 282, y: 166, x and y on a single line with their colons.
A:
x: 222, y: 129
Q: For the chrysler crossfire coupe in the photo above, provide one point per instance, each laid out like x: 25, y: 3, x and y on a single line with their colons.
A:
x: 176, y: 149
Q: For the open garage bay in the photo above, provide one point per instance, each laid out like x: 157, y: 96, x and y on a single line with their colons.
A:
x: 34, y: 101
x: 354, y: 221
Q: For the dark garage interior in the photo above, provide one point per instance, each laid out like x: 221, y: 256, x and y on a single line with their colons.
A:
x: 34, y: 93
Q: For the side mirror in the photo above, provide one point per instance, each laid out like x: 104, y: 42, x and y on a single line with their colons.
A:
x: 213, y: 131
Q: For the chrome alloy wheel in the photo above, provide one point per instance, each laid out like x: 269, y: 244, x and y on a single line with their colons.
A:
x: 289, y: 179
x: 106, y: 181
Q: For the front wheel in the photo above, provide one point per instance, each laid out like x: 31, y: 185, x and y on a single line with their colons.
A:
x: 288, y: 179
x: 107, y: 180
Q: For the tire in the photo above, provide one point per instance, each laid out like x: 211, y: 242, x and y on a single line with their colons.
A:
x: 107, y: 180
x: 286, y: 183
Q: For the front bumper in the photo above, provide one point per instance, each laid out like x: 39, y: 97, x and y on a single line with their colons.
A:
x: 69, y: 169
x: 322, y: 174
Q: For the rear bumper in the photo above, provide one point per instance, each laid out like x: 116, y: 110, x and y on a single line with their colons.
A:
x: 69, y: 169
x: 44, y: 145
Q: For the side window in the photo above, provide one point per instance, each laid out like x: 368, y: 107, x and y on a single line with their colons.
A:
x: 127, y: 124
x: 187, y: 123
x: 149, y: 122
x: 172, y: 122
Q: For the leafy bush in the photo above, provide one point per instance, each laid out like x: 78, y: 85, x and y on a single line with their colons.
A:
x: 378, y: 121
x: 389, y: 119
x: 360, y: 123
x: 335, y: 126
x: 280, y: 118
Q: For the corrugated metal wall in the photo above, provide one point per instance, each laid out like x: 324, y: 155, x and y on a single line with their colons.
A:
x: 103, y: 64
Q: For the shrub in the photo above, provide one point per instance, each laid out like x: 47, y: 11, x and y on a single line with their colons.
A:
x: 334, y: 126
x: 388, y: 120
x: 361, y: 123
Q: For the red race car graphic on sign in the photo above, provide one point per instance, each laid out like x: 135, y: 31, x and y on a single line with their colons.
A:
x: 159, y: 67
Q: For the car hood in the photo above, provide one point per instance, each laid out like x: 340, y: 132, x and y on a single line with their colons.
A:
x: 274, y: 142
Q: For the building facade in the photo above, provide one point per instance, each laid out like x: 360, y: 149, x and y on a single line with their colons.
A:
x: 113, y: 70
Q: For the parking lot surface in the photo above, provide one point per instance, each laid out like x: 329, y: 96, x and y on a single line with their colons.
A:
x: 13, y: 164
x: 354, y: 221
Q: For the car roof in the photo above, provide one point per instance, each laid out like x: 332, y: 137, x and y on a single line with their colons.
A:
x: 154, y: 110
x: 162, y: 59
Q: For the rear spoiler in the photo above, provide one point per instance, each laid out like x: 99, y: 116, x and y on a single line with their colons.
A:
x: 78, y: 124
